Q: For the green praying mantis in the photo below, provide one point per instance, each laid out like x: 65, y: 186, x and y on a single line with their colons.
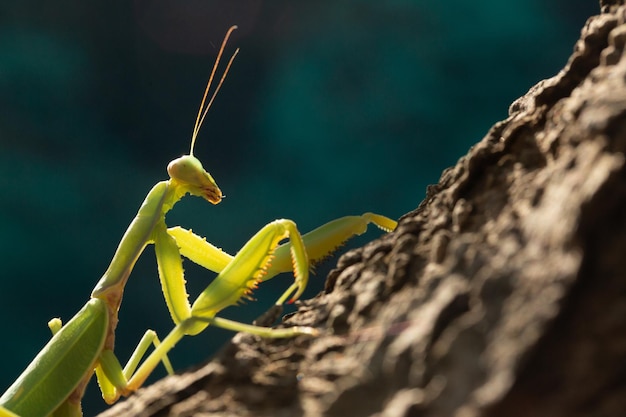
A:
x: 55, y: 381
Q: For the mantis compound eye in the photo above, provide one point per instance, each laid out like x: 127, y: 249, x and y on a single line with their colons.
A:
x: 185, y: 168
x: 188, y: 170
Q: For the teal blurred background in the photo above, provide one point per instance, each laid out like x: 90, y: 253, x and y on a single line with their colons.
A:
x: 331, y: 108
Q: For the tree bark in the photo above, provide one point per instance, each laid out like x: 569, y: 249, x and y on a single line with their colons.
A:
x: 502, y: 294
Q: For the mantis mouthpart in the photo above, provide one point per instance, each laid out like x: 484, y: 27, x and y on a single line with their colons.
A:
x: 55, y: 381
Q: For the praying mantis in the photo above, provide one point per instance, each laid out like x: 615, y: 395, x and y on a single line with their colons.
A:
x: 55, y: 381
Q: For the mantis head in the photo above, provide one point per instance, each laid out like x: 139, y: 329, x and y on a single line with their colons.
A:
x: 187, y: 170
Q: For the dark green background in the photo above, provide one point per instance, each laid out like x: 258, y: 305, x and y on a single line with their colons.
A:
x: 331, y: 108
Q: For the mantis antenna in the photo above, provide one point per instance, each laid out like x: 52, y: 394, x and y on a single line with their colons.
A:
x: 202, y: 111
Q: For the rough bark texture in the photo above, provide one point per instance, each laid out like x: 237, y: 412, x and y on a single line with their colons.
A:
x: 502, y: 294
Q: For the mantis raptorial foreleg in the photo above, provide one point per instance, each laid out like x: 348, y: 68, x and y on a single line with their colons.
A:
x: 235, y: 281
x: 319, y: 243
x: 54, y: 382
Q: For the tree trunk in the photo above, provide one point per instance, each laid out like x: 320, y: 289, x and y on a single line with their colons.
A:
x: 502, y: 294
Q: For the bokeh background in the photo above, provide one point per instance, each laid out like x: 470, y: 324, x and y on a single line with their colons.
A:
x: 331, y: 108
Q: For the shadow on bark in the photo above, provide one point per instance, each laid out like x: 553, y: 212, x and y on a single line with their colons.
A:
x: 502, y: 294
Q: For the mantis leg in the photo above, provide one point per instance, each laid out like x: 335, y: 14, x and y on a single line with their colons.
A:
x: 182, y: 329
x: 55, y: 325
x: 319, y: 244
x: 149, y: 338
x: 198, y: 250
x: 171, y: 274
x: 113, y: 379
x: 268, y: 332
